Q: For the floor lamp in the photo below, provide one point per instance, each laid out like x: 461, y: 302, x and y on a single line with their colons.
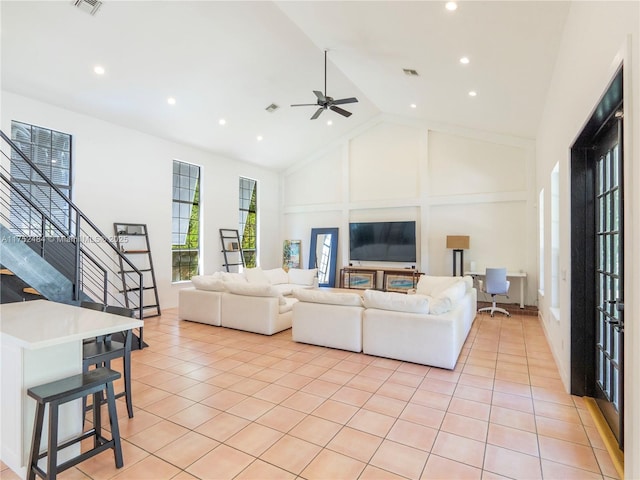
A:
x: 459, y: 243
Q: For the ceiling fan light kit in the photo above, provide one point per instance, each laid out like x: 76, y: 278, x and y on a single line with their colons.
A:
x: 325, y: 102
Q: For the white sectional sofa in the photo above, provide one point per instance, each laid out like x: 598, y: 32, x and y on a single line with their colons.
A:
x: 429, y: 327
x: 256, y: 300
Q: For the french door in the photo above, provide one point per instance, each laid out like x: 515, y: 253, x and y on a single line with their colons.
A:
x: 609, y: 282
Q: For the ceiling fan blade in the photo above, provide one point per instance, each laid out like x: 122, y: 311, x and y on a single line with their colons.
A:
x: 320, y: 95
x: 342, y: 101
x: 304, y: 105
x: 339, y: 110
x: 317, y: 114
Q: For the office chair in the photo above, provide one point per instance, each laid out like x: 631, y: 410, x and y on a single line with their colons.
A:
x: 495, y: 283
x: 101, y: 351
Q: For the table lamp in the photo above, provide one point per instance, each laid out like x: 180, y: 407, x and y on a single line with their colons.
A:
x: 458, y: 243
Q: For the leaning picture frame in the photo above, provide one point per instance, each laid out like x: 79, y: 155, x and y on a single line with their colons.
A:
x: 399, y: 282
x: 361, y: 280
x: 291, y: 254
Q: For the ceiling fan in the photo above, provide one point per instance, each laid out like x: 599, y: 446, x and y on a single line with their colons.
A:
x: 325, y: 102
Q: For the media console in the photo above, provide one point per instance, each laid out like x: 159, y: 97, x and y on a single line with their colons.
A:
x: 393, y: 279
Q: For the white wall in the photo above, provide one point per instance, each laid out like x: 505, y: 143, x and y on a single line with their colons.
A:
x: 451, y: 182
x: 598, y: 37
x: 122, y: 175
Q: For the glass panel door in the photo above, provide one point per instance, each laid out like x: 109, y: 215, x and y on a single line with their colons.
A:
x: 609, y: 278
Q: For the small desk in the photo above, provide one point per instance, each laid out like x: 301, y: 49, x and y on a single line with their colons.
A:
x: 521, y: 276
x: 42, y: 342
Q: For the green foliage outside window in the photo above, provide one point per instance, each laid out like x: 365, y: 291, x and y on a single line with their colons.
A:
x: 186, y: 222
x: 249, y: 233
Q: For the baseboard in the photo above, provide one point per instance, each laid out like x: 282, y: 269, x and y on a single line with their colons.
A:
x: 610, y: 442
x: 512, y: 308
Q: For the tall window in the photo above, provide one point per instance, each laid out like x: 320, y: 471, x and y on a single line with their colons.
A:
x: 186, y: 221
x: 541, y: 240
x: 248, y: 220
x: 555, y: 236
x: 51, y: 152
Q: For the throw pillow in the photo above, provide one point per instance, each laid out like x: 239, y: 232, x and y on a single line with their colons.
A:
x: 302, y: 277
x: 256, y: 276
x: 454, y: 292
x: 331, y: 298
x: 431, y: 285
x: 209, y: 283
x: 277, y: 276
x: 232, y: 277
x: 396, y: 302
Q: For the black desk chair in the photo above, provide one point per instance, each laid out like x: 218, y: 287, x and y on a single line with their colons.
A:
x: 104, y: 349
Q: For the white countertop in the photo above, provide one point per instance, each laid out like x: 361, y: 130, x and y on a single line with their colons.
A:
x: 40, y: 323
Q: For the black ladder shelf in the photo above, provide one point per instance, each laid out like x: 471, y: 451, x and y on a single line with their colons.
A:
x: 231, y: 248
x: 132, y: 240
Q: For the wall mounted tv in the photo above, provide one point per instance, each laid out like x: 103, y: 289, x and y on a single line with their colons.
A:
x: 383, y: 241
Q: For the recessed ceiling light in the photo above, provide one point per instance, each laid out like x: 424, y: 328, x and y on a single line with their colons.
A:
x: 413, y: 105
x: 272, y: 108
x: 451, y: 6
x: 473, y: 93
x: 410, y: 72
x: 99, y: 70
x: 222, y: 121
x: 464, y: 60
x: 259, y: 138
x: 171, y: 101
x: 329, y: 122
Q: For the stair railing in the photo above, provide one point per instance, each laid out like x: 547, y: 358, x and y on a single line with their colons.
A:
x: 25, y: 209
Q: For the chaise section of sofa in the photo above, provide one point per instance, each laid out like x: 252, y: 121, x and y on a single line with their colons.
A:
x: 429, y: 328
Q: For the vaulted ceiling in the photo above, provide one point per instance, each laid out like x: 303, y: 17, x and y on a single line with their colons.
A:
x: 230, y: 60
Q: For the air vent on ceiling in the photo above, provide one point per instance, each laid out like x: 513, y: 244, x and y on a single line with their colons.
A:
x: 272, y: 108
x: 89, y: 6
x: 410, y: 72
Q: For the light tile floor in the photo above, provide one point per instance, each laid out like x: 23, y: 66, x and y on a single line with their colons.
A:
x: 215, y: 403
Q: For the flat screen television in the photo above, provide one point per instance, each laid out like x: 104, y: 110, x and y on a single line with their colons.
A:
x: 383, y: 241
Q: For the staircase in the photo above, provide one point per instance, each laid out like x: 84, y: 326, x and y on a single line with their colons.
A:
x: 64, y: 257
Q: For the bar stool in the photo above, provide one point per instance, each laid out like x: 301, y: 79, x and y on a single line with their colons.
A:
x: 65, y: 390
x: 101, y: 350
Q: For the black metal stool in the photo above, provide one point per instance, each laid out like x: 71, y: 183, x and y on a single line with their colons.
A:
x: 63, y: 391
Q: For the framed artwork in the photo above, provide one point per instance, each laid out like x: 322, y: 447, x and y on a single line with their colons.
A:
x: 291, y: 254
x: 361, y: 280
x: 398, y: 282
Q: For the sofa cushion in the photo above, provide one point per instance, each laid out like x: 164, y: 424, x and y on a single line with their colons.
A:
x: 208, y: 282
x: 439, y: 305
x: 276, y: 276
x: 397, y: 302
x: 331, y: 298
x: 287, y: 305
x: 253, y: 290
x: 302, y: 277
x: 256, y: 276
